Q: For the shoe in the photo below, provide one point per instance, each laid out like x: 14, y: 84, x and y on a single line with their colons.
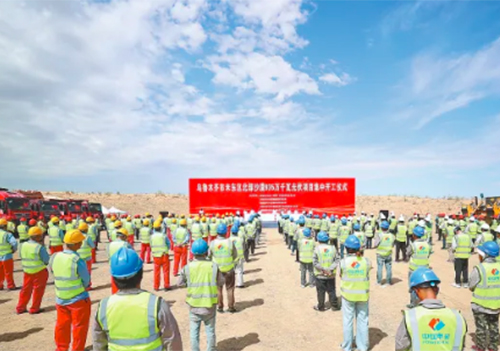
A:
x: 410, y: 305
x: 241, y: 287
x: 302, y: 286
x: 455, y: 285
x: 167, y: 289
x: 232, y: 310
x: 41, y: 310
x: 220, y: 310
x: 17, y: 312
x: 335, y: 307
x: 312, y: 286
x: 319, y: 309
x: 13, y: 289
x: 465, y: 286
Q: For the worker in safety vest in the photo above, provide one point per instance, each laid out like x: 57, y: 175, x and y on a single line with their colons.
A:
x: 384, y: 242
x: 298, y: 235
x: 325, y: 223
x: 8, y: 245
x: 181, y: 237
x: 333, y: 231
x: 306, y: 250
x: 450, y: 232
x: 344, y: 232
x: 137, y: 223
x: 34, y: 258
x: 22, y: 231
x: 316, y: 225
x: 202, y: 278
x: 85, y: 251
x: 160, y: 247
x: 224, y: 253
x: 286, y: 223
x: 251, y: 229
x: 133, y: 319
x: 292, y: 227
x: 258, y: 226
x: 355, y: 290
x: 114, y: 246
x: 485, y: 287
x: 127, y: 224
x: 238, y: 242
x: 117, y: 225
x: 325, y: 268
x: 11, y: 226
x: 485, y: 235
x: 71, y: 279
x: 212, y: 227
x: 196, y: 232
x: 472, y: 229
x: 419, y: 252
x: 462, y: 247
x: 145, y: 239
x: 94, y: 233
x: 356, y: 228
x: 369, y: 231
x: 204, y: 228
x: 431, y: 325
x: 56, y: 237
x: 401, y: 236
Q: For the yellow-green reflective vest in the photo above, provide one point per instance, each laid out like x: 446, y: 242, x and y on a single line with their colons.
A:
x: 411, y: 225
x: 145, y: 235
x: 401, y: 233
x: 487, y: 236
x: 138, y: 223
x: 384, y: 249
x: 464, y: 246
x: 70, y: 226
x: 158, y: 244
x: 325, y: 224
x: 487, y: 292
x: 462, y: 224
x: 326, y: 256
x: 369, y: 230
x: 180, y: 235
x: 450, y: 233
x: 131, y: 322
x: 308, y: 223
x: 115, y: 246
x: 130, y: 228
x: 285, y: 226
x: 345, y: 231
x: 30, y: 257
x: 113, y: 235
x: 242, y: 233
x: 11, y: 227
x: 54, y: 238
x: 196, y: 231
x: 421, y: 253
x: 441, y: 329
x: 93, y: 228
x: 22, y: 230
x: 213, y: 229
x: 66, y: 279
x: 62, y: 225
x: 354, y: 283
x: 427, y: 232
x: 238, y: 243
x: 393, y: 224
x: 222, y: 254
x: 333, y: 231
x: 201, y: 283
x: 306, y: 250
x: 317, y: 224
x: 204, y: 229
x: 5, y: 247
x: 85, y: 250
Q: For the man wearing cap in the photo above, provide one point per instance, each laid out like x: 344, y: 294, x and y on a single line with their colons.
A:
x: 484, y: 283
x: 56, y: 236
x: 202, y: 278
x: 325, y: 268
x: 462, y: 248
x: 133, y: 319
x: 71, y: 279
x: 8, y: 245
x: 430, y: 325
x: 181, y: 237
x: 22, y: 231
x: 238, y: 242
x: 34, y: 258
x: 160, y: 247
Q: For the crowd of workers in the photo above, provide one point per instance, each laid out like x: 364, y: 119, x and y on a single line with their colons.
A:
x: 324, y: 244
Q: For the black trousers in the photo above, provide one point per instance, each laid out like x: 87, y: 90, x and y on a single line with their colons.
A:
x: 369, y: 242
x: 326, y: 286
x: 250, y: 246
x: 286, y: 238
x: 461, y: 269
x: 400, y: 246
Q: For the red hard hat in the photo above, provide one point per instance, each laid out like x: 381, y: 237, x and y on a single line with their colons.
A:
x: 61, y: 217
x: 32, y: 222
x: 137, y: 216
x: 52, y: 216
x: 461, y: 216
x: 23, y: 219
x: 68, y: 218
x: 96, y: 215
x: 40, y: 218
x: 73, y: 215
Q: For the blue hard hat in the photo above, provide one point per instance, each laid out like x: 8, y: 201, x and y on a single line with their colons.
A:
x: 307, y: 232
x: 301, y: 220
x: 384, y: 225
x: 222, y: 229
x: 199, y: 247
x: 251, y: 217
x: 356, y: 226
x: 423, y: 276
x: 490, y: 248
x: 324, y: 215
x: 234, y: 229
x: 308, y: 215
x: 125, y: 263
x: 285, y: 216
x: 419, y: 231
x: 343, y: 220
x: 352, y: 242
x: 237, y: 223
x: 291, y: 219
x: 332, y: 218
x: 323, y: 237
x: 316, y: 216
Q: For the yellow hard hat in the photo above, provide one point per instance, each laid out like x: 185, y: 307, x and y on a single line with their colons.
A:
x: 146, y: 222
x: 83, y: 227
x: 147, y: 214
x: 122, y: 231
x: 214, y: 220
x: 217, y: 215
x: 183, y: 216
x: 118, y: 224
x: 174, y: 220
x: 54, y: 220
x: 160, y: 217
x: 3, y: 221
x: 74, y: 237
x: 223, y: 216
x: 227, y: 213
x: 113, y: 218
x: 203, y: 219
x: 34, y: 231
x: 170, y: 215
x: 197, y: 218
x: 90, y: 220
x: 157, y: 224
x: 183, y: 221
x: 129, y: 218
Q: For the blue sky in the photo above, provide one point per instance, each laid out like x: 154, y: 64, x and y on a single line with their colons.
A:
x: 139, y: 96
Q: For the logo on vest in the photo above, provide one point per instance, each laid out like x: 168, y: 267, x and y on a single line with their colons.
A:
x: 355, y: 265
x: 436, y: 324
x: 495, y: 271
x: 437, y: 337
x: 496, y: 276
x: 326, y: 250
x: 387, y: 239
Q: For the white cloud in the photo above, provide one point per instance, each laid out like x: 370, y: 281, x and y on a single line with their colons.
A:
x: 340, y: 81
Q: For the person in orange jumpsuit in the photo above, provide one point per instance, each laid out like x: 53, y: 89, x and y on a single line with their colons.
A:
x: 8, y: 245
x: 181, y: 237
x: 145, y: 239
x: 160, y: 247
x: 35, y: 259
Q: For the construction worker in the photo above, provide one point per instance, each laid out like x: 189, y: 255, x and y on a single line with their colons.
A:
x: 251, y: 230
x: 472, y: 229
x: 392, y: 223
x: 333, y: 231
x: 34, y: 258
x: 384, y: 242
x: 356, y: 228
x: 419, y: 252
x: 369, y: 231
x: 344, y: 232
x: 316, y: 224
x: 117, y: 225
x: 212, y: 227
x: 485, y: 235
x: 430, y: 325
x: 196, y: 232
x: 85, y: 251
x: 69, y: 224
x: 325, y: 223
x: 137, y: 224
x: 401, y: 236
x: 292, y: 227
x: 462, y: 248
x: 181, y: 238
x: 240, y: 248
x: 286, y: 223
x: 224, y: 253
x: 145, y: 239
x: 41, y: 224
x: 11, y: 226
x: 325, y: 267
x: 127, y: 224
x: 297, y: 235
x: 204, y: 228
x: 56, y: 237
x: 355, y: 291
x: 450, y: 232
x: 133, y: 319
x: 22, y: 231
x: 202, y: 278
x: 8, y: 245
x: 93, y: 232
x: 306, y: 249
x: 484, y: 284
x: 71, y: 279
x: 121, y: 241
x: 160, y: 247
x: 258, y: 228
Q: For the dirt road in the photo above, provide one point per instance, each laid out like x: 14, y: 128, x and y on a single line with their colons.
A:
x: 274, y: 312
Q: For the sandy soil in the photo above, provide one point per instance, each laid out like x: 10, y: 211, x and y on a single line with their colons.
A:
x: 274, y: 312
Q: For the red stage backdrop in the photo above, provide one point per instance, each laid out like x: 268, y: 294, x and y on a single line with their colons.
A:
x: 330, y: 195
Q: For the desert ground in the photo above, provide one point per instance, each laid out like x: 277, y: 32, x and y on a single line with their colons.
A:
x: 274, y: 313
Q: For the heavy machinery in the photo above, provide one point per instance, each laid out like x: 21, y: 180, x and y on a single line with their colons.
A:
x: 488, y: 207
x: 41, y: 206
x: 14, y: 205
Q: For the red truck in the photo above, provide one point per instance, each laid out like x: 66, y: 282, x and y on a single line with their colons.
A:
x: 15, y: 205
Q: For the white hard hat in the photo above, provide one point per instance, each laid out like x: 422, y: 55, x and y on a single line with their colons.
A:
x: 428, y: 218
x: 363, y: 212
x: 498, y: 229
x: 371, y: 214
x: 349, y: 218
x: 485, y: 226
x: 472, y: 219
x: 401, y: 218
x: 421, y: 223
x: 446, y: 217
x: 450, y: 221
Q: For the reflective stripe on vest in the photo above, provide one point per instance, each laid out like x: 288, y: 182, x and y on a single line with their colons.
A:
x: 213, y: 229
x: 115, y: 246
x: 473, y: 230
x: 130, y: 228
x: 435, y: 329
x: 196, y: 232
x: 487, y: 292
x: 180, y: 235
x: 85, y: 251
x: 92, y: 232
x: 384, y: 249
x: 464, y: 246
x: 158, y: 245
x: 65, y: 270
x: 487, y: 236
x: 401, y: 233
x: 326, y: 256
x: 131, y: 322
x: 30, y: 257
x: 145, y: 235
x: 369, y: 230
x: 344, y: 233
x: 333, y: 232
x: 54, y: 238
x: 22, y: 230
x: 204, y: 228
x: 306, y: 250
x: 450, y: 233
x: 222, y: 254
x: 5, y: 247
x: 355, y: 283
x: 201, y: 284
x: 420, y: 257
x: 238, y: 243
